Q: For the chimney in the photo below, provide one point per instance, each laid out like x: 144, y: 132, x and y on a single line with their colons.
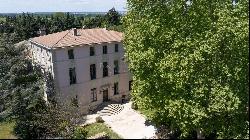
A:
x: 75, y: 32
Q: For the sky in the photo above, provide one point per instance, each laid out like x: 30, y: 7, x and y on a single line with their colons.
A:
x: 19, y: 6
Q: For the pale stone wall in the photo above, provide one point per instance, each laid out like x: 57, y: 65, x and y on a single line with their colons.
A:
x: 57, y: 62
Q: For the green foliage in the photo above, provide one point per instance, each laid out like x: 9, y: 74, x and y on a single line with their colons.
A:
x: 21, y: 98
x: 112, y: 17
x: 134, y: 106
x: 190, y: 64
x: 6, y: 130
x: 97, y: 128
x: 25, y: 26
x: 79, y: 133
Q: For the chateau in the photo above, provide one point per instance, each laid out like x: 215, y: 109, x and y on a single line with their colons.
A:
x: 85, y: 64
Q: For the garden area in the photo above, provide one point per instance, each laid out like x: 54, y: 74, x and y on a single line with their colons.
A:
x: 96, y: 128
x: 6, y: 130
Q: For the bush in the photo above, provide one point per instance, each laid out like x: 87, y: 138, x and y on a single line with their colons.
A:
x: 134, y: 106
x: 102, y: 135
x: 99, y: 119
x: 79, y: 133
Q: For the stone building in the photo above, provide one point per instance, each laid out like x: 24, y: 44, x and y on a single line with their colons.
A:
x: 85, y: 64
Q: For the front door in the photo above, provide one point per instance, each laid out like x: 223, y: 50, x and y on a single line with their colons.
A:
x: 105, y: 95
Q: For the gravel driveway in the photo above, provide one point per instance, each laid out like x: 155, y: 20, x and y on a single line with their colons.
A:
x: 129, y: 124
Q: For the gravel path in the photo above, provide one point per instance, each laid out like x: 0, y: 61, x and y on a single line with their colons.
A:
x: 129, y: 124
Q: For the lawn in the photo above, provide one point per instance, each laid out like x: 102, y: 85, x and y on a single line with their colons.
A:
x: 6, y: 130
x: 100, y: 127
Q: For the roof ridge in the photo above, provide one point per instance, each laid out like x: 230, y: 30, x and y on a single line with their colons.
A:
x: 60, y: 39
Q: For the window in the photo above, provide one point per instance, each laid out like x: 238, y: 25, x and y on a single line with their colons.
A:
x: 92, y: 51
x: 130, y: 85
x: 93, y: 95
x: 105, y: 49
x: 116, y: 88
x: 116, y: 67
x: 105, y: 69
x: 72, y: 75
x: 71, y: 54
x: 92, y: 72
x: 116, y: 47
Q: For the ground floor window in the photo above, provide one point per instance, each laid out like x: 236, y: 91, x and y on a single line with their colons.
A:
x: 93, y: 95
x: 116, y: 88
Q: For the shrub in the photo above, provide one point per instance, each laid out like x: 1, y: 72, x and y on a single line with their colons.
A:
x: 134, y: 106
x: 79, y: 133
x: 102, y: 135
x: 99, y: 119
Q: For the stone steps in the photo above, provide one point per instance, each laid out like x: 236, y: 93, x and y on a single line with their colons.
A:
x: 111, y: 109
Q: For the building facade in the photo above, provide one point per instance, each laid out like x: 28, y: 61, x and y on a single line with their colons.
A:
x: 87, y: 65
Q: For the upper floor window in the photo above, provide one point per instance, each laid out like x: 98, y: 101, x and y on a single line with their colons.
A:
x: 116, y: 67
x: 105, y: 49
x: 71, y: 54
x: 116, y: 47
x: 92, y: 51
x: 116, y: 88
x: 93, y: 95
x: 72, y: 76
x: 130, y: 85
x: 92, y: 71
x: 105, y: 69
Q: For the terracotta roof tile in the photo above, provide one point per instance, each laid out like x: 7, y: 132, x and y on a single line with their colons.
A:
x: 84, y: 37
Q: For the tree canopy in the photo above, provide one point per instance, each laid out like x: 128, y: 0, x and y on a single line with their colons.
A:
x: 27, y: 25
x: 21, y: 97
x: 190, y: 64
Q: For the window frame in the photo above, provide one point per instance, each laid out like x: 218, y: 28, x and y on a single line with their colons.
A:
x: 71, y: 54
x: 92, y: 72
x: 91, y: 51
x: 116, y: 47
x: 93, y: 95
x: 116, y: 67
x: 116, y: 88
x: 105, y: 49
x: 72, y: 76
x: 105, y: 72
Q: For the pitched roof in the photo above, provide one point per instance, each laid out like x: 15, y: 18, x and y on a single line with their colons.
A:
x: 84, y: 37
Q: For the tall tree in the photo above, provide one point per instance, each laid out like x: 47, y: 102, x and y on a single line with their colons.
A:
x: 21, y: 97
x: 112, y: 17
x: 190, y: 64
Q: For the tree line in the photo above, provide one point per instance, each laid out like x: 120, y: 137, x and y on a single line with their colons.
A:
x: 25, y: 26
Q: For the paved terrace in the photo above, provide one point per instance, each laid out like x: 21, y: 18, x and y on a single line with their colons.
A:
x: 125, y: 121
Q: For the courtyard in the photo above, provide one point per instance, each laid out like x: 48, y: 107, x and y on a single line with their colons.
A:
x: 123, y: 120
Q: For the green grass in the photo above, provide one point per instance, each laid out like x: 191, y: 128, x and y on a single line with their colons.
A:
x: 6, y: 130
x: 96, y: 128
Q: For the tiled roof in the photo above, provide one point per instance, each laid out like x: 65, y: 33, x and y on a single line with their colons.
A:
x: 84, y: 37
